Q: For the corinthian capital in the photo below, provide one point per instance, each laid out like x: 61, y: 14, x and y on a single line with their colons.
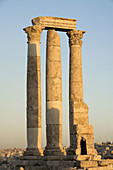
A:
x: 75, y: 37
x: 33, y: 33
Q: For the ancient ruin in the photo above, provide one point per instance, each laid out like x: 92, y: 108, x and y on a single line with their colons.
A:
x: 81, y: 154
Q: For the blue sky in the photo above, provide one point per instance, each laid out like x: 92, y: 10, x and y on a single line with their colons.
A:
x: 96, y: 18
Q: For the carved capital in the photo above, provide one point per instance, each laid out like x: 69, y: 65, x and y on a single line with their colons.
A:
x: 33, y: 33
x: 75, y: 37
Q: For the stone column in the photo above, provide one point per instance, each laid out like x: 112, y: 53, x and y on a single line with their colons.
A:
x: 78, y: 110
x: 53, y: 95
x: 33, y: 91
x: 77, y: 113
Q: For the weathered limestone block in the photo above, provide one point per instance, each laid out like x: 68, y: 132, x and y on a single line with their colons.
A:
x: 60, y: 24
x: 53, y: 95
x: 86, y: 164
x: 78, y: 106
x: 33, y: 91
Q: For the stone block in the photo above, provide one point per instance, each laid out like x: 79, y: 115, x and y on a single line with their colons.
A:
x: 54, y: 112
x: 84, y: 129
x: 33, y: 64
x: 53, y: 53
x: 67, y: 164
x: 80, y: 118
x: 34, y: 137
x: 91, y: 151
x: 53, y: 129
x: 53, y: 39
x: 55, y: 152
x: 98, y: 168
x: 54, y: 89
x: 76, y: 74
x: 78, y: 106
x: 86, y: 164
x: 76, y: 89
x: 34, y: 49
x: 54, y: 69
x: 103, y: 163
x: 60, y: 24
x: 33, y: 117
x: 54, y: 140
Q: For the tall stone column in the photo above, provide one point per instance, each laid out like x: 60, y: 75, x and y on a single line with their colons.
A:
x: 53, y: 95
x: 33, y: 91
x: 78, y: 110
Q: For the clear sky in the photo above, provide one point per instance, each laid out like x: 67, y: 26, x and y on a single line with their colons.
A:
x: 93, y: 16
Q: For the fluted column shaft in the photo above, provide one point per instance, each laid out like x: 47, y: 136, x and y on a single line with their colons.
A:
x: 33, y: 90
x: 53, y: 95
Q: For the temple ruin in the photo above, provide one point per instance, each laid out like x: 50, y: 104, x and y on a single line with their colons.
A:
x: 54, y: 156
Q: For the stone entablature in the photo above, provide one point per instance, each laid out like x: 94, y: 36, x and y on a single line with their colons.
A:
x: 59, y: 24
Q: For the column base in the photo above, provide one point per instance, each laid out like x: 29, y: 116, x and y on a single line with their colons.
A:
x: 33, y: 152
x: 55, y: 151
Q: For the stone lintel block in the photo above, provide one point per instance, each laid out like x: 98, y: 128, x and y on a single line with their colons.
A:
x: 86, y: 164
x: 57, y: 23
x: 34, y: 49
x: 34, y: 64
x: 53, y: 53
x: 54, y: 112
x: 54, y: 89
x: 78, y: 106
x: 54, y: 69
